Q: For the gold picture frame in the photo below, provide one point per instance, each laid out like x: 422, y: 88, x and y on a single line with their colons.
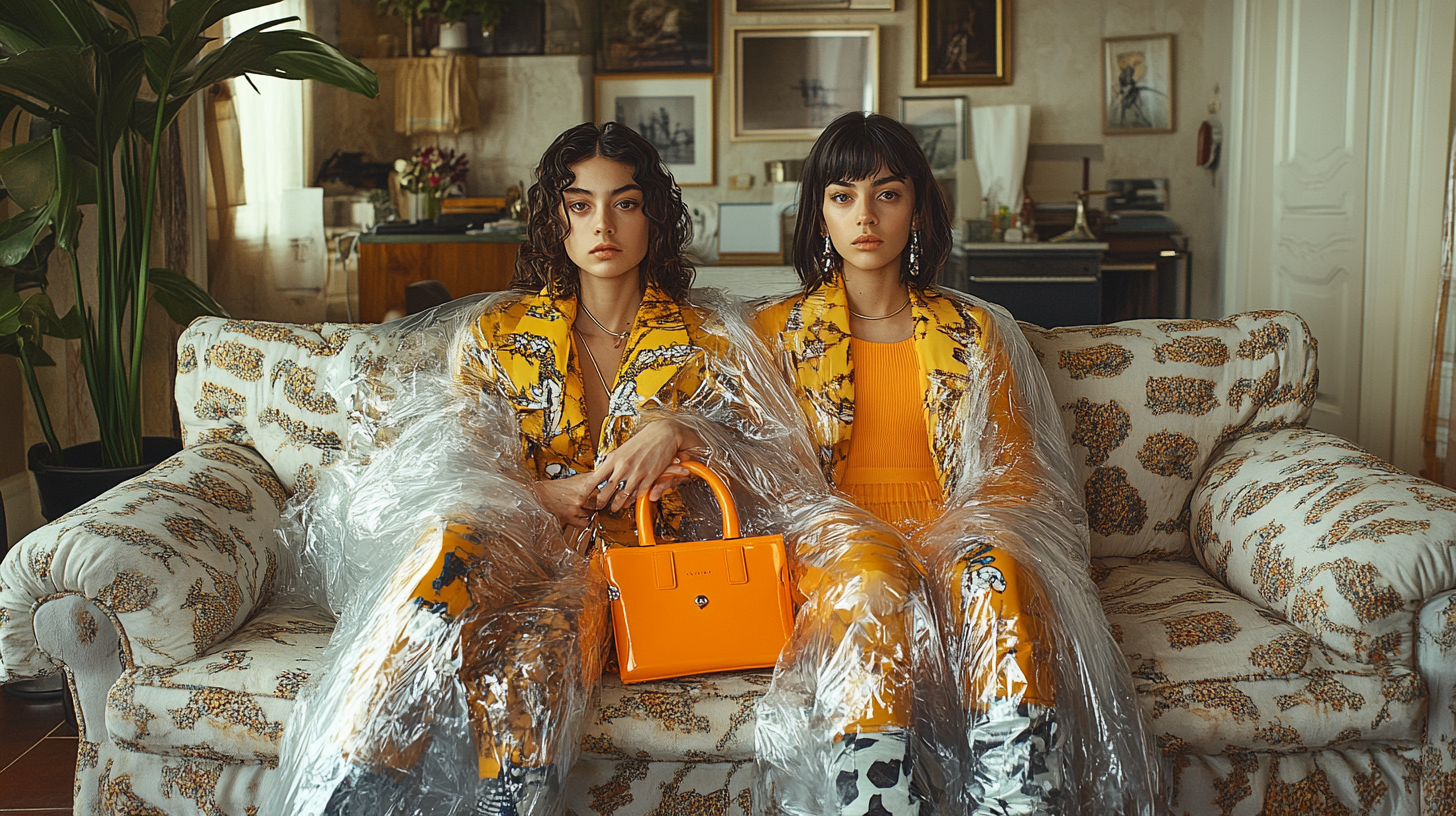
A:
x: 961, y: 43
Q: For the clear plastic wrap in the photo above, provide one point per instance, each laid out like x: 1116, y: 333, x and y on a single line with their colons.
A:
x: 414, y: 707
x: 432, y: 496
x: 1032, y: 709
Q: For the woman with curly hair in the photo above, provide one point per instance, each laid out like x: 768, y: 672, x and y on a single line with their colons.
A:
x: 594, y: 334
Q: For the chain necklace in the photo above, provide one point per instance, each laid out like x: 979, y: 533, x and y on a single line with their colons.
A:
x: 884, y: 316
x: 619, y: 336
x: 595, y: 367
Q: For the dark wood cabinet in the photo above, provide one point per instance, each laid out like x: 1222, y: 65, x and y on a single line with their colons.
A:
x: 465, y: 264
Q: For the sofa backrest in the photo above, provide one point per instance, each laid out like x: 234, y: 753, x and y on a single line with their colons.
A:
x: 1147, y: 403
x: 271, y: 386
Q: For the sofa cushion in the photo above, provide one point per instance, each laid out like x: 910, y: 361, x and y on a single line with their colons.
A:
x: 1146, y: 402
x: 229, y: 704
x: 1217, y: 672
x: 707, y: 717
x: 1344, y: 545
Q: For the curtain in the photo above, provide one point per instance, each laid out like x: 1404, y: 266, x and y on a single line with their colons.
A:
x: 266, y: 251
x: 1436, y: 432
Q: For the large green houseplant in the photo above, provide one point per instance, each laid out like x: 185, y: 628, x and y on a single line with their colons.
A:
x: 101, y: 94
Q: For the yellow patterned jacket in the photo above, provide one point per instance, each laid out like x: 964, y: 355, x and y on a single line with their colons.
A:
x: 975, y: 418
x: 521, y: 348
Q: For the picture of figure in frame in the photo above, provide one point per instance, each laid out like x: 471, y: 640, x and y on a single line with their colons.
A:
x: 641, y: 36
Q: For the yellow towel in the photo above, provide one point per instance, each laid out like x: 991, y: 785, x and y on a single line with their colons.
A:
x: 437, y: 95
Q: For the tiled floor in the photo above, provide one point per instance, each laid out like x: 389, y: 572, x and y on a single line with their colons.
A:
x: 37, y: 758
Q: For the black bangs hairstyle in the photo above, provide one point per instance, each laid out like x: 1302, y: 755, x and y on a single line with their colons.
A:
x: 543, y: 262
x: 852, y: 148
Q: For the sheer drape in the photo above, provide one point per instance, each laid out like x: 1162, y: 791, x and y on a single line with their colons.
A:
x: 1437, y: 429
x: 259, y: 266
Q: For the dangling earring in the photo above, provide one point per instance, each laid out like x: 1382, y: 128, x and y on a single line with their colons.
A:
x: 914, y: 258
x: 826, y: 259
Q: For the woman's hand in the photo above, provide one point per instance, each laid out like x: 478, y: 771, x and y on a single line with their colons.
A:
x: 648, y: 463
x: 571, y: 500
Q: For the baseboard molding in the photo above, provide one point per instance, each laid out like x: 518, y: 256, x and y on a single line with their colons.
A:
x: 22, y: 506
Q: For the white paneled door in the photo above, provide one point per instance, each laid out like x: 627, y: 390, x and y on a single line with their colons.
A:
x: 1298, y: 229
x: 1339, y: 128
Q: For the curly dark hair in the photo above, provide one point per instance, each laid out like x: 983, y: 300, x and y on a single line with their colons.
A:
x: 543, y: 262
x: 853, y: 147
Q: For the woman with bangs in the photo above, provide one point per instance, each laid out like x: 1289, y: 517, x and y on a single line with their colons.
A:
x: 929, y: 409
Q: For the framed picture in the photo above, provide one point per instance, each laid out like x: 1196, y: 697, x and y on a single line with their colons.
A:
x: 675, y: 113
x: 758, y: 6
x: 939, y: 125
x: 673, y: 36
x: 1137, y: 84
x: 789, y: 82
x: 963, y: 42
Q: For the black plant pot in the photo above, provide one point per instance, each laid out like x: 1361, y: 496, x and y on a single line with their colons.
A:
x: 83, y: 478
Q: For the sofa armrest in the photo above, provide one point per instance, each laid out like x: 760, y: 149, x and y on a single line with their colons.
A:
x: 177, y: 558
x: 1338, y: 542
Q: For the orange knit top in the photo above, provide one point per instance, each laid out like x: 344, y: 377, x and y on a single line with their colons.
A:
x: 890, y: 471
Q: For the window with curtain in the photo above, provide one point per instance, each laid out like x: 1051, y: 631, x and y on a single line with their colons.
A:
x: 267, y: 254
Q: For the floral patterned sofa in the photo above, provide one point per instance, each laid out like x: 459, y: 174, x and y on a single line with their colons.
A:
x: 1286, y: 601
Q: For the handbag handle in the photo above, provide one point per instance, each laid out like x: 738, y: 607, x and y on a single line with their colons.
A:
x: 720, y: 493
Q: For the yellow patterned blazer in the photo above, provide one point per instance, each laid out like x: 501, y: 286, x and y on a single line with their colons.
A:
x: 978, y: 426
x: 521, y: 348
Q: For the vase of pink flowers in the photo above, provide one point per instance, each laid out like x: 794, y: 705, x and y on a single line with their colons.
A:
x: 427, y: 177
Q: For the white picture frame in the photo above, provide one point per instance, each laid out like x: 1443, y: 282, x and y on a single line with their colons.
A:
x: 674, y: 112
x: 790, y: 82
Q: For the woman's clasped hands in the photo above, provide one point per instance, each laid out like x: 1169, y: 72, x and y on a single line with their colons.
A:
x: 649, y: 463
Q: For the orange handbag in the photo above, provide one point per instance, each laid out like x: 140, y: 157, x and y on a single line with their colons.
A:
x: 700, y: 606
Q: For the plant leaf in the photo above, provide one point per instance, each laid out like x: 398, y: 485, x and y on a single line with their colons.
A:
x: 28, y: 171
x: 41, y: 310
x: 286, y: 54
x: 37, y: 355
x: 10, y: 304
x: 123, y: 10
x: 17, y: 234
x: 66, y: 215
x: 120, y: 72
x: 72, y: 324
x: 46, y: 23
x: 58, y: 78
x: 30, y: 272
x: 184, y: 300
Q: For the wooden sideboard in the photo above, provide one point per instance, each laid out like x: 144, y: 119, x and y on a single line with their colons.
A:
x: 465, y: 264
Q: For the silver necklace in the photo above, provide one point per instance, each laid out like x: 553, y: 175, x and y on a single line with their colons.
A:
x: 620, y: 336
x: 880, y: 317
x: 598, y: 369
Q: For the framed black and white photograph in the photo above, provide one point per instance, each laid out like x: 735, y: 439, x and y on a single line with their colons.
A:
x: 1137, y: 84
x: 760, y: 6
x: 789, y: 82
x: 672, y: 36
x: 675, y: 113
x: 962, y: 42
x: 939, y: 125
